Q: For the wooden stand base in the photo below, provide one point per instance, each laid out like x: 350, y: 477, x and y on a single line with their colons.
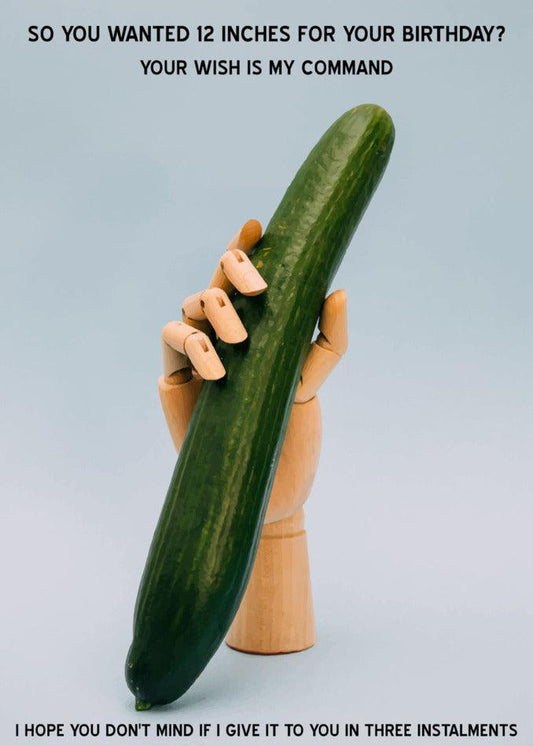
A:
x: 276, y: 613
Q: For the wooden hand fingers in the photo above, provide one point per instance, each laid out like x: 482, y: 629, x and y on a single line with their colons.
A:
x: 222, y: 316
x: 241, y: 273
x: 237, y: 272
x: 187, y: 342
x: 333, y: 323
x: 183, y: 343
x: 243, y: 241
x: 327, y: 349
x: 234, y: 271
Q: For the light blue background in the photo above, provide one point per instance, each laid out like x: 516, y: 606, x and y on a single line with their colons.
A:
x: 118, y: 195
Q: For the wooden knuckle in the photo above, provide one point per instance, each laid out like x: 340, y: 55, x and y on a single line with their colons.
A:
x: 242, y: 273
x: 317, y: 366
x: 203, y: 357
x: 333, y: 324
x: 173, y: 361
x: 304, y: 393
x: 192, y: 307
x: 175, y: 334
x: 213, y: 296
x: 199, y: 340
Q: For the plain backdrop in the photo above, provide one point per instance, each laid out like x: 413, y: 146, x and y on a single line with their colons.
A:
x: 119, y: 193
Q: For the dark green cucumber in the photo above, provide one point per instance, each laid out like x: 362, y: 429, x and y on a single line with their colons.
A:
x: 206, y: 538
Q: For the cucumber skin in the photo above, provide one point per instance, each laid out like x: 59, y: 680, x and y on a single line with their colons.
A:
x: 205, y: 541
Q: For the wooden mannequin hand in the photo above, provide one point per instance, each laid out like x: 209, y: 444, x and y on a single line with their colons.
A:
x: 276, y: 614
x: 189, y: 357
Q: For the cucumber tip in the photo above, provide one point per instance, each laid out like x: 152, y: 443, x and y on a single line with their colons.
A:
x: 141, y: 706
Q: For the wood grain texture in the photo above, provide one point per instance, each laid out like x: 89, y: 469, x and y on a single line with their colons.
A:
x: 276, y: 613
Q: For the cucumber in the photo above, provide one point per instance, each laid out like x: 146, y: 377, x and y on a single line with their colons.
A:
x: 205, y: 541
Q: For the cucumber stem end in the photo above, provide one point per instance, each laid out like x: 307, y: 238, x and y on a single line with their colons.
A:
x: 141, y: 706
